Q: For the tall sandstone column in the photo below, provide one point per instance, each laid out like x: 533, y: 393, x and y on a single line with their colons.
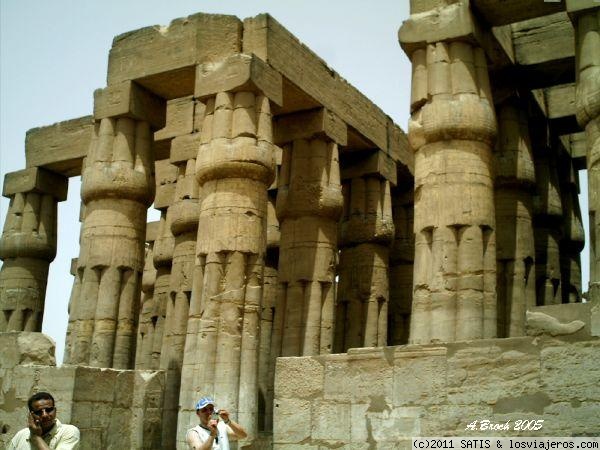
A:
x: 309, y: 204
x: 234, y: 167
x: 401, y: 266
x: 514, y: 183
x: 452, y: 131
x: 117, y: 188
x: 28, y: 246
x: 586, y: 20
x: 547, y: 221
x: 367, y: 230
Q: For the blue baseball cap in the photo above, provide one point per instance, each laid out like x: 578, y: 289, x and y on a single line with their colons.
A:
x: 203, y: 402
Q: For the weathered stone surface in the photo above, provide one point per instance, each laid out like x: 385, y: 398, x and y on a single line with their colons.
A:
x: 60, y: 147
x: 36, y: 180
x: 26, y: 349
x: 307, y: 373
x: 127, y: 99
x: 163, y: 59
x: 179, y: 119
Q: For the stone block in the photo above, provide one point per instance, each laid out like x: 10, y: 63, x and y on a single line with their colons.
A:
x: 319, y: 123
x: 571, y: 320
x: 291, y: 421
x: 393, y: 425
x: 307, y: 373
x: 496, y: 366
x: 238, y: 73
x: 557, y: 363
x: 95, y: 385
x: 448, y: 22
x: 331, y: 421
x: 368, y: 371
x: 128, y: 99
x: 25, y: 348
x: 152, y: 230
x: 576, y: 7
x: 419, y: 375
x: 184, y: 148
x: 164, y: 58
x: 36, y: 179
x: 60, y: 147
x: 179, y: 118
x: 375, y: 163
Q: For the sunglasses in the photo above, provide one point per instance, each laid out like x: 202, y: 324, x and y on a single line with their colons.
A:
x: 40, y: 412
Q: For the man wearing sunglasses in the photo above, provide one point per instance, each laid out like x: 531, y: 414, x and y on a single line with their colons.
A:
x: 44, y: 431
x: 213, y: 433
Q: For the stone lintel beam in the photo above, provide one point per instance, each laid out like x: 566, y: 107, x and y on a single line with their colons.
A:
x: 163, y: 58
x: 128, y: 99
x: 184, y: 148
x: 575, y: 143
x: 557, y: 106
x: 60, y: 147
x: 578, y: 7
x: 179, y: 118
x: 238, y: 73
x: 310, y: 124
x: 375, y: 163
x: 443, y: 23
x: 503, y: 12
x: 36, y: 179
x: 166, y: 178
x: 152, y: 231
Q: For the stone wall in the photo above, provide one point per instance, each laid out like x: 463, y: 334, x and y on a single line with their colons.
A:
x: 114, y: 409
x: 381, y: 397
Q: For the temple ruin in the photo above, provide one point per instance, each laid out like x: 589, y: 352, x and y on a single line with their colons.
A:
x: 334, y: 281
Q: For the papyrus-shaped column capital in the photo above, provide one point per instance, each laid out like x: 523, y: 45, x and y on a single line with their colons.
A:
x: 30, y: 228
x: 238, y: 73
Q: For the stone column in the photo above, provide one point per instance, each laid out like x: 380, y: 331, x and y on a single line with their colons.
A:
x: 149, y: 339
x: 401, y: 265
x: 234, y: 168
x: 309, y: 204
x: 573, y: 238
x: 183, y: 217
x: 266, y: 360
x: 367, y: 230
x: 452, y: 130
x: 586, y: 20
x: 117, y: 187
x: 28, y: 245
x: 514, y: 183
x: 547, y: 221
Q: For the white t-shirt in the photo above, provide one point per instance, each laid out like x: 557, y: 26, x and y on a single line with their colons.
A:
x: 221, y: 442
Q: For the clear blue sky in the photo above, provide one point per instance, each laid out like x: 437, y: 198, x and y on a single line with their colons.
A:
x: 53, y: 55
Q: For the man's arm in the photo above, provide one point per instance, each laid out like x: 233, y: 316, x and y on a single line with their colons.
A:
x: 234, y: 429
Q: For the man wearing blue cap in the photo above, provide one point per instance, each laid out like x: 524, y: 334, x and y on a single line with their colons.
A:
x: 213, y: 433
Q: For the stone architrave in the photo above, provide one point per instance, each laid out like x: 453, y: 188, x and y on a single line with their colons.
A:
x: 117, y: 188
x: 452, y: 130
x: 587, y: 103
x: 367, y: 230
x: 547, y: 222
x: 401, y: 266
x: 514, y: 183
x: 28, y: 246
x: 234, y: 167
x: 309, y: 205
